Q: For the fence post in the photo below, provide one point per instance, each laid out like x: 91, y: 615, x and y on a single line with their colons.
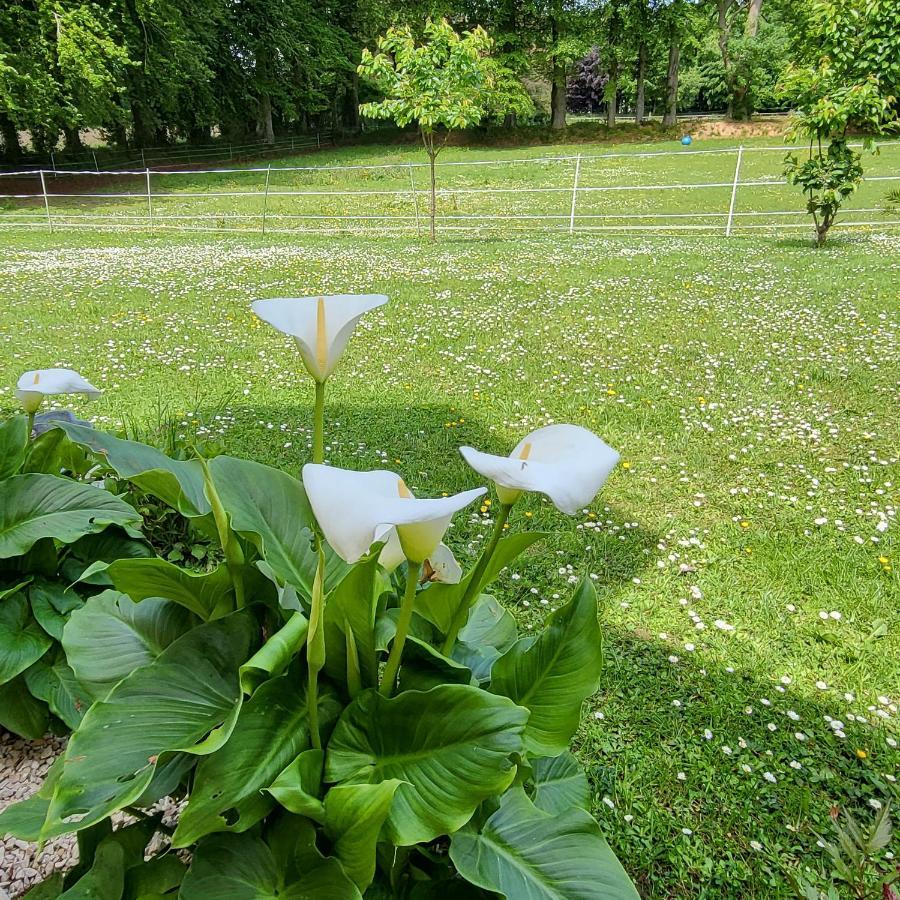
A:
x: 266, y: 197
x: 574, y: 193
x: 143, y: 158
x: 734, y: 187
x: 149, y: 199
x: 46, y: 201
x: 318, y: 141
x: 415, y: 196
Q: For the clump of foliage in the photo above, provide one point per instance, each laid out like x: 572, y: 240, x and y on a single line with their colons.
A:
x: 54, y: 524
x: 343, y: 711
x: 857, y: 857
x: 850, y: 84
x: 445, y: 82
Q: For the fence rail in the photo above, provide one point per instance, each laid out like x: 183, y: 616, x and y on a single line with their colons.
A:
x: 580, y: 193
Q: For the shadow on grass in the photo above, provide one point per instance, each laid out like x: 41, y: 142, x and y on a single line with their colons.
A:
x: 695, y: 717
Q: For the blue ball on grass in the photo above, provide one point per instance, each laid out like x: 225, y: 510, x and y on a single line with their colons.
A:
x: 686, y: 140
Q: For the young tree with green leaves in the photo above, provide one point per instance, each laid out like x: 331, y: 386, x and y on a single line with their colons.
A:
x: 444, y: 82
x: 850, y: 82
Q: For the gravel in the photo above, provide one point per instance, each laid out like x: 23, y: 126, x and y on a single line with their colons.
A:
x: 23, y: 765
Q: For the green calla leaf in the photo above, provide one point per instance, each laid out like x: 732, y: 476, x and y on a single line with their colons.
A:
x: 354, y: 814
x: 105, y: 880
x: 559, y: 784
x: 452, y: 746
x: 187, y: 700
x: 160, y: 875
x: 20, y: 712
x: 208, y: 595
x: 33, y: 507
x: 51, y: 604
x: 272, y: 728
x: 270, y: 509
x: 553, y: 675
x: 242, y: 867
x: 22, y: 640
x: 275, y: 654
x: 13, y: 445
x: 55, y: 683
x: 440, y: 602
x: 48, y: 889
x: 424, y: 667
x: 523, y: 853
x: 111, y: 636
x: 297, y: 788
x: 178, y: 483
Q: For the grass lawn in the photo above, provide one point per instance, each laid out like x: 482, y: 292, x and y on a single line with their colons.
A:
x: 744, y: 550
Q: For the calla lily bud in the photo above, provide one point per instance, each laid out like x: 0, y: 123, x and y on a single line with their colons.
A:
x: 566, y: 463
x: 355, y: 509
x: 33, y: 386
x: 321, y: 326
x: 440, y: 566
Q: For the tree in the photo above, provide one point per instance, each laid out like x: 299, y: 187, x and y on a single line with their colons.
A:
x: 851, y: 81
x: 442, y: 83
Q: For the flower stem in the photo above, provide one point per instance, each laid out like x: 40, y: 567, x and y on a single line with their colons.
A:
x: 30, y: 423
x: 474, y: 585
x: 315, y: 648
x: 405, y: 617
x: 319, y: 424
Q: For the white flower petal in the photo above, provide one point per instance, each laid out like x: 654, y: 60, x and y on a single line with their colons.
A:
x: 33, y: 386
x: 353, y: 508
x: 567, y: 463
x: 321, y: 326
x: 444, y: 565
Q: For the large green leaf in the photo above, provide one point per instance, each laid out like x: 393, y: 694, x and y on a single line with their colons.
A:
x: 44, y: 506
x: 22, y: 640
x: 554, y: 674
x: 48, y: 889
x: 26, y: 818
x: 52, y: 681
x: 351, y: 607
x: 270, y: 508
x: 111, y: 636
x: 106, y: 878
x: 208, y: 595
x: 523, y: 853
x: 440, y: 602
x: 242, y: 867
x: 489, y: 632
x: 452, y: 746
x: 559, y: 784
x: 20, y: 712
x: 179, y: 483
x: 13, y: 444
x: 354, y: 814
x: 52, y: 604
x: 272, y: 728
x: 297, y: 788
x: 186, y: 700
x: 157, y: 876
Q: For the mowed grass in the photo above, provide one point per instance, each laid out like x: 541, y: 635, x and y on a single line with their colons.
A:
x: 744, y: 551
x: 622, y: 187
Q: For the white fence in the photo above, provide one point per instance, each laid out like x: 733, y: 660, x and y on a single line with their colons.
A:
x: 579, y: 193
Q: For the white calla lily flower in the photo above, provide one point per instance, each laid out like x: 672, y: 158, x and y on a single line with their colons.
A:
x: 354, y: 509
x: 567, y: 463
x: 321, y: 326
x: 33, y: 386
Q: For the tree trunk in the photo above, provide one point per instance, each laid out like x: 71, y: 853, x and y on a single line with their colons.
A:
x: 641, y: 71
x: 352, y: 103
x: 11, y: 147
x: 753, y: 18
x: 612, y: 90
x: 264, y: 127
x: 670, y: 116
x: 73, y: 140
x: 558, y: 98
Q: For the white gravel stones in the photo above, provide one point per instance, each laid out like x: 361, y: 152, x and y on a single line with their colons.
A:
x: 23, y: 765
